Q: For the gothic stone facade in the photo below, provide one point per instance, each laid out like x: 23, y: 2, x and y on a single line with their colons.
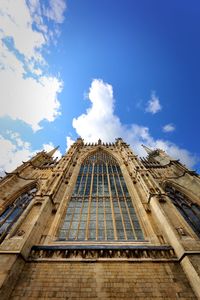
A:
x: 100, y: 223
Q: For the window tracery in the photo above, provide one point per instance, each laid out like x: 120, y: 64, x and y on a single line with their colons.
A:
x: 100, y: 207
x: 188, y: 209
x: 14, y: 211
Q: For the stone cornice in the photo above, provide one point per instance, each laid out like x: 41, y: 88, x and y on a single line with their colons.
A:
x: 102, y: 252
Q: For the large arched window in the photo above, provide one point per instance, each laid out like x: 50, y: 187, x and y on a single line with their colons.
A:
x: 189, y: 210
x: 14, y: 211
x: 100, y: 207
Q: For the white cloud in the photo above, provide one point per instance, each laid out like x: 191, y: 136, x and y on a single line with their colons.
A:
x: 28, y: 93
x: 13, y: 151
x: 69, y: 142
x: 55, y: 11
x: 15, y: 136
x: 49, y: 147
x: 36, y: 15
x: 153, y: 105
x: 168, y: 128
x: 100, y: 121
x: 175, y: 152
x: 29, y: 100
x: 16, y: 22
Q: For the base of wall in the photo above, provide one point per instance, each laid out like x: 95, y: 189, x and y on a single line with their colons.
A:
x: 102, y: 280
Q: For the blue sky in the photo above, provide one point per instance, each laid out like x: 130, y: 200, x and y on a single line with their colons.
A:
x: 99, y: 69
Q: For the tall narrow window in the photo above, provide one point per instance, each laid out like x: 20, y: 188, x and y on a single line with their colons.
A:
x: 14, y: 211
x: 100, y: 207
x: 189, y: 210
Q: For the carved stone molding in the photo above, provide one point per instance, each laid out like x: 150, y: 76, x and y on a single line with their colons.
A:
x: 99, y: 252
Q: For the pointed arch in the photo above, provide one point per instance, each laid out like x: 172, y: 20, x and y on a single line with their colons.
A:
x: 185, y: 204
x: 100, y: 207
x: 183, y: 189
x: 15, y: 209
x: 103, y: 149
x: 100, y: 156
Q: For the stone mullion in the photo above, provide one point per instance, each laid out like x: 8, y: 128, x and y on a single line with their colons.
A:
x: 79, y: 183
x: 78, y: 195
x: 138, y: 196
x: 89, y: 204
x: 67, y: 237
x: 104, y: 207
x: 72, y: 199
x: 111, y: 205
x: 80, y: 217
x: 97, y: 202
x: 8, y: 215
x: 117, y: 196
x: 81, y: 206
x: 101, y: 198
x: 10, y: 225
x: 124, y: 196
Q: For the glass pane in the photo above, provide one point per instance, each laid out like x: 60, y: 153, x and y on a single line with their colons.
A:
x: 104, y: 205
x: 189, y: 210
x: 14, y: 211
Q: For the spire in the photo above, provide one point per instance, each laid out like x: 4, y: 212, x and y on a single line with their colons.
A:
x: 99, y: 141
x: 51, y: 153
x: 148, y: 150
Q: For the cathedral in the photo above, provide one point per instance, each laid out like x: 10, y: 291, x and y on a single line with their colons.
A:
x: 100, y: 223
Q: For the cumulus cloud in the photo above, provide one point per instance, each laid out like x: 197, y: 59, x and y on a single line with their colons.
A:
x: 100, y: 121
x: 153, y: 105
x: 13, y: 151
x: 29, y: 100
x: 28, y: 92
x: 168, y: 128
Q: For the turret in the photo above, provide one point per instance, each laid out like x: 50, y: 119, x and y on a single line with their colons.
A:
x: 158, y: 155
x: 52, y: 152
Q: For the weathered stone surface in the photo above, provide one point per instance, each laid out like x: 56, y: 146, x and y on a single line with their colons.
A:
x: 107, y: 273
x: 107, y: 280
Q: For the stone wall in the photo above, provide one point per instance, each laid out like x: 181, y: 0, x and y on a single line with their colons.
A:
x: 102, y: 280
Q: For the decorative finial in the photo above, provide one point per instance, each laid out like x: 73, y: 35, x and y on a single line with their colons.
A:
x: 99, y: 141
x: 148, y: 150
x: 51, y: 153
